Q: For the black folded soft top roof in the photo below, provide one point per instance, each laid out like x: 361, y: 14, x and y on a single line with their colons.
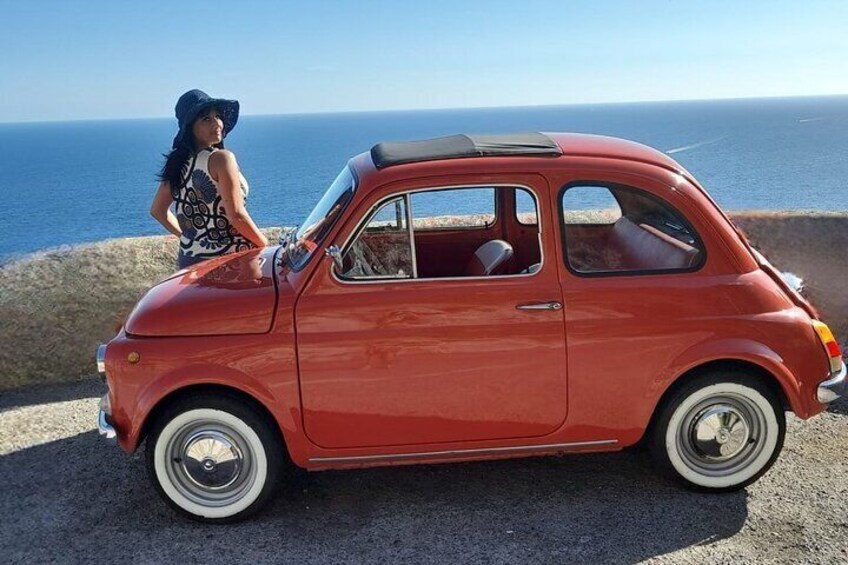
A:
x: 460, y: 146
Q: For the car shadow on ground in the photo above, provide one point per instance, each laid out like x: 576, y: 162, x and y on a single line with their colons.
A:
x: 839, y: 407
x: 45, y: 394
x: 82, y: 499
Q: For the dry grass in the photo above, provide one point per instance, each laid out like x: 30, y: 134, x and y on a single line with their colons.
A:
x: 56, y: 306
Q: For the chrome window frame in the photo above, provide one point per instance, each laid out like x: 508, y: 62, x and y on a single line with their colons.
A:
x: 377, y: 205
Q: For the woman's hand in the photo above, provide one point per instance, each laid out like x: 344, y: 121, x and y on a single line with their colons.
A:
x: 161, y: 209
x: 225, y: 171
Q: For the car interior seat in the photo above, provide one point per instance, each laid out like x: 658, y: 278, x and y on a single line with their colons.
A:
x: 646, y: 247
x: 489, y: 259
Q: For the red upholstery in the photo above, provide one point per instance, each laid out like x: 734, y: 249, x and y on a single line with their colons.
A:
x: 646, y: 247
x: 628, y: 247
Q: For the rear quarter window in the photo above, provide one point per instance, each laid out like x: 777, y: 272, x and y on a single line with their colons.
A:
x: 614, y: 229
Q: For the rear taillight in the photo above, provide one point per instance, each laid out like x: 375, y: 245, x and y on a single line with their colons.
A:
x: 830, y: 345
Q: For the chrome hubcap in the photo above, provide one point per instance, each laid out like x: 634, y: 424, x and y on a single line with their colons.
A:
x: 721, y: 435
x: 720, y: 432
x: 211, y: 460
x: 210, y: 463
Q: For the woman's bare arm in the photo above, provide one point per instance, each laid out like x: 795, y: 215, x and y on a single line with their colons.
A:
x: 224, y: 169
x: 161, y: 209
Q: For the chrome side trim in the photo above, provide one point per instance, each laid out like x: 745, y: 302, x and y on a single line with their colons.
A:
x: 461, y: 452
x: 105, y: 429
x: 833, y: 388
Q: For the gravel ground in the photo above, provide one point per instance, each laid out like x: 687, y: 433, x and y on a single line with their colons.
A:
x: 68, y: 496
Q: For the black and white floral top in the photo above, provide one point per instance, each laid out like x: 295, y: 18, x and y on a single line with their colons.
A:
x: 207, y: 231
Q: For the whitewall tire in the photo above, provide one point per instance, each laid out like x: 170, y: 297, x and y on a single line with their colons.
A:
x: 719, y: 432
x: 214, y: 458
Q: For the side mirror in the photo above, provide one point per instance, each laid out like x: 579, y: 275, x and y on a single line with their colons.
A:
x: 287, y: 236
x: 336, y: 253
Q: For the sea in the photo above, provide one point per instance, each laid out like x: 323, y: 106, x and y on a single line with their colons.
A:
x: 65, y: 183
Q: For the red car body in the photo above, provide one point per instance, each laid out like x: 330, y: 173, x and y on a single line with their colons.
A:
x: 445, y: 369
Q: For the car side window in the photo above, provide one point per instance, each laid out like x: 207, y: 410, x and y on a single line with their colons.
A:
x: 382, y: 249
x: 437, y: 233
x: 615, y: 229
x: 593, y: 205
x: 457, y: 209
x: 463, y: 237
x: 525, y: 208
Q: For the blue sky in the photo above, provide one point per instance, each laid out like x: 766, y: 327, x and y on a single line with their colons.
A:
x: 120, y: 59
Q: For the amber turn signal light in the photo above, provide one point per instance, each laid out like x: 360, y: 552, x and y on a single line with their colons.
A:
x: 830, y: 345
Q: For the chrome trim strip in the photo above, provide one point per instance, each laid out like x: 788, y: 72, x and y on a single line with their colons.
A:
x: 105, y: 429
x: 408, y: 201
x: 101, y: 359
x: 375, y: 207
x: 461, y: 452
x: 833, y: 388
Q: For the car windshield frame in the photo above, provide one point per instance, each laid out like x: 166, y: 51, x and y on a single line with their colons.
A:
x: 322, y: 218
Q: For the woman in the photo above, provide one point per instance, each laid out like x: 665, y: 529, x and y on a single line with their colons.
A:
x: 204, y: 181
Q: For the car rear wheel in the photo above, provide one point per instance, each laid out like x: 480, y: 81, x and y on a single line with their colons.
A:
x: 719, y: 432
x: 214, y: 458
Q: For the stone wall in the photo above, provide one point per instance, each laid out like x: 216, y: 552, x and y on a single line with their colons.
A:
x: 57, y: 306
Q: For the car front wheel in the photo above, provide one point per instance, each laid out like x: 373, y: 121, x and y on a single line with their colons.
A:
x: 719, y: 432
x: 214, y: 458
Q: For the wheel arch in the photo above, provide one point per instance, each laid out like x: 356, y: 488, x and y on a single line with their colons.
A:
x: 195, y: 389
x: 747, y: 367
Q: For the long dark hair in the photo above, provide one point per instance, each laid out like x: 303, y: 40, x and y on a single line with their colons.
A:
x: 177, y: 159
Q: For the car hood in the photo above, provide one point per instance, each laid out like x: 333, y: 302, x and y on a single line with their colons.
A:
x: 232, y: 294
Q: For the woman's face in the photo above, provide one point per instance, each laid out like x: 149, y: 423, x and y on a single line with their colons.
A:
x: 208, y: 129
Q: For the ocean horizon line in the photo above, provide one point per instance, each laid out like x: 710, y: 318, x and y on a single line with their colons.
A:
x: 312, y: 114
x: 760, y: 153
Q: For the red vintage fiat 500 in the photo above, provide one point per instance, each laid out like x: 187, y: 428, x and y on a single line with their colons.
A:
x: 472, y: 297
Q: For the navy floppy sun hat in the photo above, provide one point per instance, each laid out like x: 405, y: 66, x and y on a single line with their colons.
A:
x: 192, y: 103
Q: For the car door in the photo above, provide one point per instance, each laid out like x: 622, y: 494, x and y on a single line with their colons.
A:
x: 388, y: 358
x: 637, y: 290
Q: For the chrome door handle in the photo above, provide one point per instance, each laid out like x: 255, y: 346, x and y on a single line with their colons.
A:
x: 540, y: 306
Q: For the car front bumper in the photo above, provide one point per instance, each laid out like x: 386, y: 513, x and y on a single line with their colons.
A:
x: 106, y: 429
x: 104, y: 425
x: 833, y: 388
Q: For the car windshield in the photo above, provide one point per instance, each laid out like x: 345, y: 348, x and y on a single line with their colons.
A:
x: 322, y: 218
